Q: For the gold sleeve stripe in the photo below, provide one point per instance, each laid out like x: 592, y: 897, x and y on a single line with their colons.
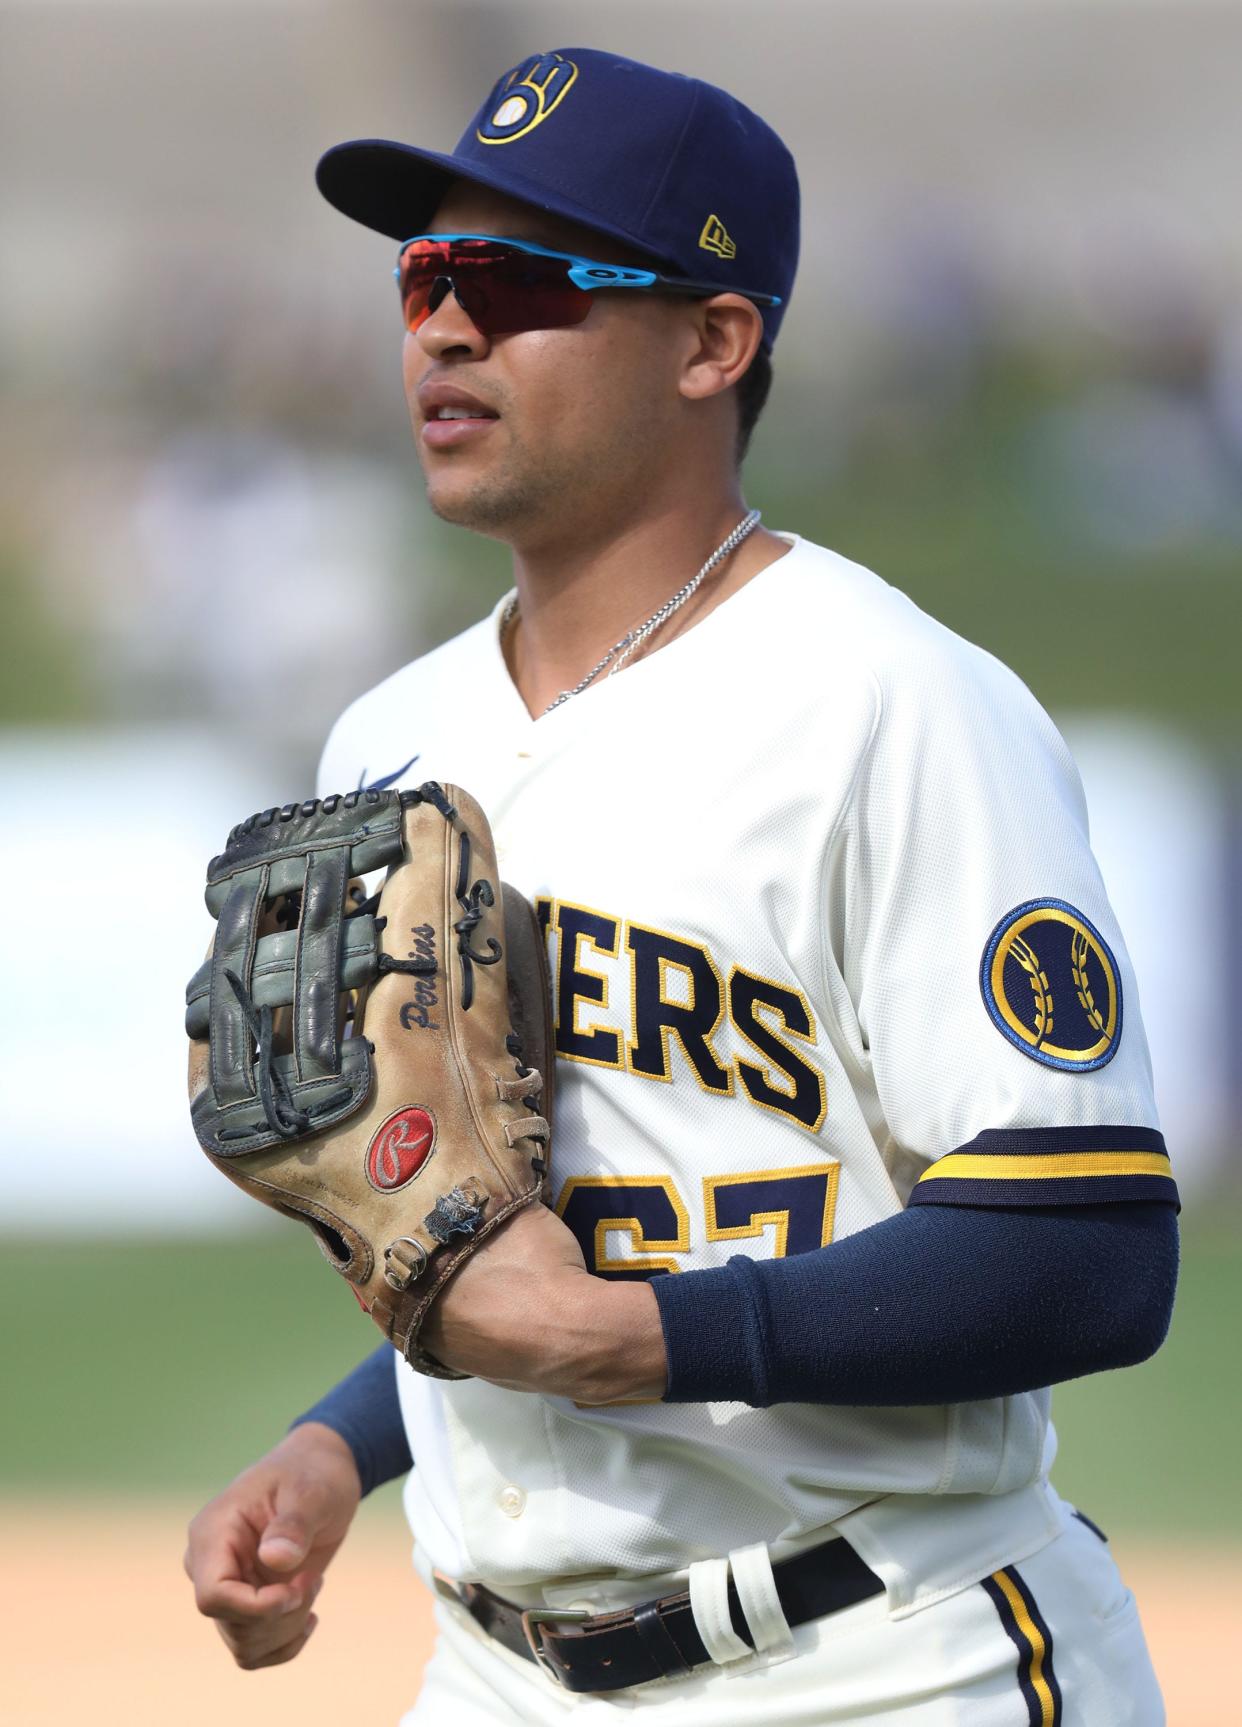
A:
x: 980, y: 1166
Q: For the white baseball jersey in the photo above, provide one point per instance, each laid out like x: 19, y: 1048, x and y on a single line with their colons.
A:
x: 828, y: 939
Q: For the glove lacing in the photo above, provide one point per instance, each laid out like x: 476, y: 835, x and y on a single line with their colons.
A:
x: 279, y: 1110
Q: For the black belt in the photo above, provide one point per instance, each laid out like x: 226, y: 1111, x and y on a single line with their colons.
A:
x: 656, y: 1639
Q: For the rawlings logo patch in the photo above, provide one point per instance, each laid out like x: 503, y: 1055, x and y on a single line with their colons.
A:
x: 1049, y: 981
x: 399, y: 1148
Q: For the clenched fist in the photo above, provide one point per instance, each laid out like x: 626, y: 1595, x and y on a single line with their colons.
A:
x: 258, y: 1551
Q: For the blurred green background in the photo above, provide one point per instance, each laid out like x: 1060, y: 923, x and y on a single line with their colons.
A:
x: 1011, y: 381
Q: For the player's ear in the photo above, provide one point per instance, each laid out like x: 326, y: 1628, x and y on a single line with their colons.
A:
x: 726, y: 332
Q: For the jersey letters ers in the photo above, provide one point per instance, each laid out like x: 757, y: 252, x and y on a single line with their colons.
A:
x: 669, y: 1005
x: 680, y: 995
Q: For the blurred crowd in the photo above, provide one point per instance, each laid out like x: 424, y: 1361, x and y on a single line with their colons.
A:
x: 228, y: 516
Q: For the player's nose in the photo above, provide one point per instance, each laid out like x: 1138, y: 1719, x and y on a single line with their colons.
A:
x: 449, y: 330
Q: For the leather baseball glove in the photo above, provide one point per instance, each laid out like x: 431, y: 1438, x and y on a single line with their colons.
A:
x: 375, y: 1066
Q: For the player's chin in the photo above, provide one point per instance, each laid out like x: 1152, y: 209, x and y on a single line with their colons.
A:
x: 465, y: 507
x: 490, y: 502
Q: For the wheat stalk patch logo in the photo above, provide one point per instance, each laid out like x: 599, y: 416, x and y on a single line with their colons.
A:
x: 1071, y: 1019
x: 1080, y: 947
x: 1025, y: 955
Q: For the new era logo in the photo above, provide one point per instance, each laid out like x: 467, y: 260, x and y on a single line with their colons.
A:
x: 715, y: 238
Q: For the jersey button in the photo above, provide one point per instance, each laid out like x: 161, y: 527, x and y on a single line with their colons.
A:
x: 512, y: 1501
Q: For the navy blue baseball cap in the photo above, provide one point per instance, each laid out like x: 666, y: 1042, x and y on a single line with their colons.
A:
x: 675, y: 168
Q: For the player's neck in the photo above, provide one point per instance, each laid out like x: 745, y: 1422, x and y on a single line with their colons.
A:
x: 579, y: 593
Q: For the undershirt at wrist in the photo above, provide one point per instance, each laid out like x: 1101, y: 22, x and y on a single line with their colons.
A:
x: 365, y: 1410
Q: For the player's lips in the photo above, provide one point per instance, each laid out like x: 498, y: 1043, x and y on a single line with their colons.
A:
x: 452, y: 416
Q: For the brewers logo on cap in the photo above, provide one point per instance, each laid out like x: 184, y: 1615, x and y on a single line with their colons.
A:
x: 526, y: 97
x: 1049, y: 981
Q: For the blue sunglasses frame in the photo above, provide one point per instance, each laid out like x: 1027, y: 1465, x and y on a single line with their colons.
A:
x: 590, y: 274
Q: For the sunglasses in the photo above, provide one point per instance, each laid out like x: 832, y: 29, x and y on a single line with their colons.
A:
x: 504, y: 286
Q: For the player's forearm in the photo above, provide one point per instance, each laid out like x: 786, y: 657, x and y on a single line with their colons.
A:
x: 936, y: 1305
x: 617, y: 1344
x: 363, y: 1408
x: 573, y: 1353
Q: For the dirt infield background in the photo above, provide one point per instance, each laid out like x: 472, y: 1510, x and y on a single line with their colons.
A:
x: 98, y: 1614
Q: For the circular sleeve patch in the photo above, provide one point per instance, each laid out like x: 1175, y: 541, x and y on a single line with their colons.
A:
x: 1049, y: 981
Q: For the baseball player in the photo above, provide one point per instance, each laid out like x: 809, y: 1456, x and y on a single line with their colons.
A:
x: 855, y: 1147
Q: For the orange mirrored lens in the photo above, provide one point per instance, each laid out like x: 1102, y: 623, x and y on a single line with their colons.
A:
x: 501, y: 291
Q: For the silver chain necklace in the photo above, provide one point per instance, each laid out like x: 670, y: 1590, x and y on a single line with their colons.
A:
x: 633, y: 639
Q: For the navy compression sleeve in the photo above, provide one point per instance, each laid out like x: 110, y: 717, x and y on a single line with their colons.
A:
x: 939, y: 1304
x: 365, y: 1411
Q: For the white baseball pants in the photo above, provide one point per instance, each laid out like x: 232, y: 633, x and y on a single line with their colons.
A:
x: 1054, y: 1641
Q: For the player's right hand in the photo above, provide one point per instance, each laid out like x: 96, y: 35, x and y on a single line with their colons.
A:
x: 257, y: 1552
